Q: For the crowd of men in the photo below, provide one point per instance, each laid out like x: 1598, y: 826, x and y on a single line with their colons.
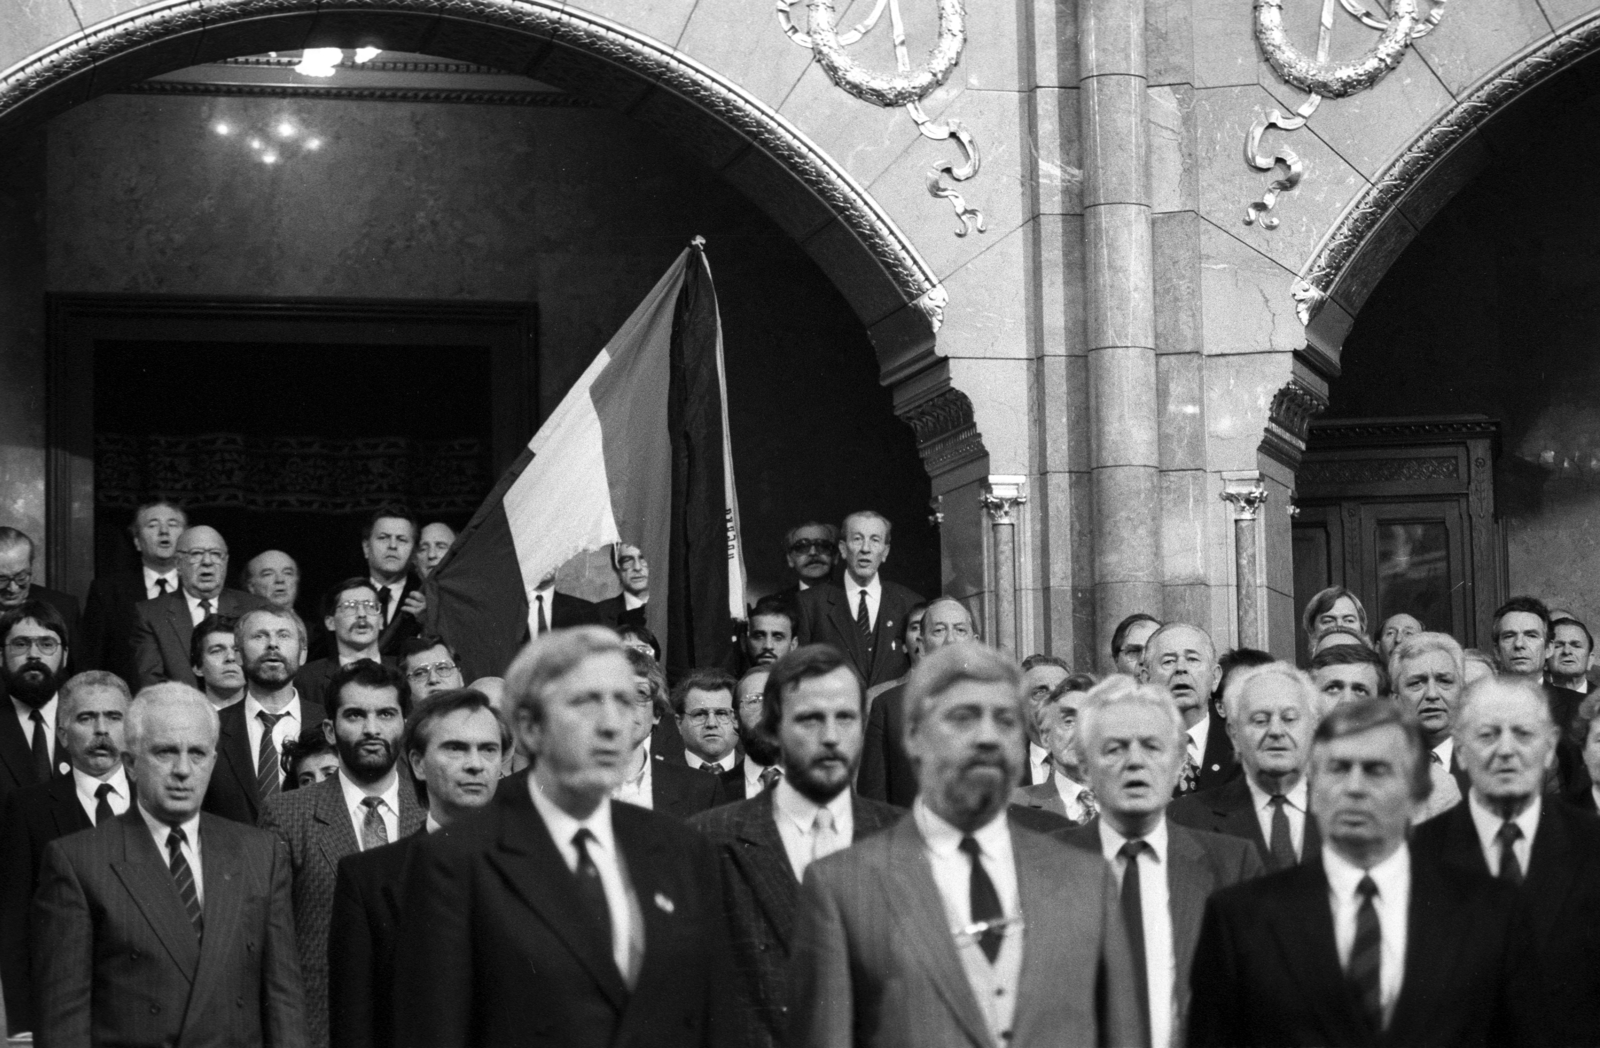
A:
x: 221, y: 827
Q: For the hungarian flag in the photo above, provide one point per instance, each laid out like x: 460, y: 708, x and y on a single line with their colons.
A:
x: 637, y: 452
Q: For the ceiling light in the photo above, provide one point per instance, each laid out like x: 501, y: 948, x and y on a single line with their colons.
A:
x: 319, y: 61
x: 367, y: 54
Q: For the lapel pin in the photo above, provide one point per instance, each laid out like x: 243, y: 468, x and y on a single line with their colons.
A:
x: 664, y: 904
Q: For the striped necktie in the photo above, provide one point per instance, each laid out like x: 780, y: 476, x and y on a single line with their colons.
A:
x: 183, y: 877
x: 268, y: 765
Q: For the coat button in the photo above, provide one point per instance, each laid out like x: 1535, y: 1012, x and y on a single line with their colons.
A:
x: 155, y: 1009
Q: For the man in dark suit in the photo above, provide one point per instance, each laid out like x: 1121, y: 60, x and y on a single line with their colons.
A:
x: 1182, y: 659
x: 1272, y: 711
x: 627, y: 608
x: 915, y: 936
x: 108, y: 617
x: 1522, y: 644
x: 813, y: 704
x: 811, y: 550
x: 1130, y: 740
x: 555, y: 917
x: 90, y: 731
x: 453, y: 742
x: 1428, y: 672
x: 865, y: 618
x: 1507, y: 829
x: 35, y: 652
x: 550, y: 610
x: 887, y: 773
x: 670, y: 787
x: 351, y: 616
x: 17, y: 587
x: 166, y: 926
x: 365, y: 806
x: 164, y: 627
x: 1065, y: 790
x: 387, y: 542
x: 759, y: 768
x: 255, y: 732
x: 1586, y: 727
x: 1375, y: 944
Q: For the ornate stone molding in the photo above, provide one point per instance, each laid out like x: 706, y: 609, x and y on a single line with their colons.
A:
x: 947, y: 435
x: 1004, y: 495
x: 1492, y: 94
x: 1245, y: 493
x: 1289, y: 422
x: 75, y: 58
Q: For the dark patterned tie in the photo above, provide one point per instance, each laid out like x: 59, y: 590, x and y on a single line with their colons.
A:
x: 102, y: 806
x: 267, y: 762
x: 384, y: 597
x: 184, y: 878
x: 544, y: 623
x: 374, y: 832
x: 1508, y: 835
x: 1366, y: 957
x: 769, y: 778
x: 41, y: 747
x: 1189, y: 777
x: 1133, y: 918
x: 984, y: 902
x: 205, y: 608
x: 161, y: 586
x: 1282, y: 843
x: 863, y: 618
x: 590, y: 888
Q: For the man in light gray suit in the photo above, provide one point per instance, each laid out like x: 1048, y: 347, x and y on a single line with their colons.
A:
x: 915, y: 936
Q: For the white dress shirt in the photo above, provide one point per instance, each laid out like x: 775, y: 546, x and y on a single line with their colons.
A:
x: 287, y: 728
x: 629, y: 602
x: 151, y: 590
x: 386, y: 789
x: 852, y: 590
x: 724, y: 764
x: 1392, y: 904
x: 1155, y: 905
x: 1446, y: 751
x: 796, y: 815
x: 1039, y: 766
x: 119, y: 798
x: 1072, y: 797
x: 637, y: 790
x: 196, y: 613
x: 1196, y: 740
x: 1488, y: 824
x: 627, y: 920
x: 47, y: 713
x: 1294, y: 808
x: 752, y: 775
x: 191, y: 847
x: 547, y: 593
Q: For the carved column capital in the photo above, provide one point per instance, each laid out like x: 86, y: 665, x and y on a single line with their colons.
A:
x: 1002, y: 496
x: 1245, y: 492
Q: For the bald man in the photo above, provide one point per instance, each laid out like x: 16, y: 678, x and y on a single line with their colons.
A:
x: 164, y: 626
x: 274, y: 577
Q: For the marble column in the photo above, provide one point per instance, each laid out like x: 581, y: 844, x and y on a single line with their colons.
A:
x: 1120, y: 301
x: 1246, y: 492
x: 1002, y: 497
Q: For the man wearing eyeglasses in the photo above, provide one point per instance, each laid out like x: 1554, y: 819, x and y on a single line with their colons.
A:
x: 811, y: 551
x: 17, y: 585
x: 350, y: 614
x: 429, y: 666
x: 703, y: 704
x: 35, y: 651
x: 627, y: 608
x: 164, y: 627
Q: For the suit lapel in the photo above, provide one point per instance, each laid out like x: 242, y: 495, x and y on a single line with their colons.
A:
x: 844, y: 621
x: 1433, y: 950
x: 14, y: 751
x: 222, y: 867
x: 886, y: 631
x: 143, y: 871
x: 765, y: 862
x: 1047, y: 935
x: 411, y: 815
x: 67, y: 813
x: 336, y: 835
x: 534, y: 868
x: 1303, y: 926
x: 235, y: 748
x: 1190, y: 881
x: 921, y: 924
x: 179, y: 625
x: 1238, y: 819
x: 1551, y: 868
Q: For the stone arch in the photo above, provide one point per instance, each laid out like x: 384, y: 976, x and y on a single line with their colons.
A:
x: 879, y: 271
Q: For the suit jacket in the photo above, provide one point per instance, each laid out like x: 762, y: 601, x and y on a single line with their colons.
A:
x: 162, y: 630
x: 403, y: 625
x: 34, y: 816
x: 886, y: 773
x: 119, y: 963
x: 828, y: 617
x: 1198, y: 864
x: 16, y: 752
x: 1266, y: 969
x: 759, y: 897
x: 315, y: 824
x: 613, y: 614
x: 1230, y: 810
x: 232, y: 792
x: 513, y: 960
x: 108, y: 622
x: 311, y: 681
x: 875, y: 964
x: 367, y: 904
x: 681, y: 791
x: 1046, y: 798
x: 1562, y: 896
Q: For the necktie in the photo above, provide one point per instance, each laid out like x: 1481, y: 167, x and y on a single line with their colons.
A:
x: 863, y: 619
x: 1282, y: 844
x: 41, y: 747
x: 544, y: 623
x: 1190, y: 775
x: 374, y: 834
x: 205, y: 607
x: 1433, y: 755
x: 161, y: 586
x: 769, y: 778
x: 984, y: 903
x: 1133, y: 918
x: 824, y: 835
x: 1366, y: 956
x: 590, y: 887
x: 184, y: 878
x: 1090, y: 807
x: 1508, y: 835
x: 102, y: 806
x: 384, y: 597
x: 712, y: 768
x: 267, y: 763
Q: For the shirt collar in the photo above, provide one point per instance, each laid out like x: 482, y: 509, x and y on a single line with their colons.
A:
x: 801, y: 810
x: 47, y: 711
x: 1446, y: 750
x: 564, y: 827
x: 253, y: 707
x: 944, y: 840
x: 1296, y: 794
x: 752, y: 771
x: 1111, y: 841
x: 1199, y: 733
x: 630, y: 602
x: 1037, y: 754
x: 546, y: 592
x: 387, y: 789
x: 1488, y: 822
x: 724, y: 763
x: 873, y: 588
x: 151, y: 574
x: 1392, y: 875
x: 431, y: 824
x: 159, y: 829
x: 87, y: 784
